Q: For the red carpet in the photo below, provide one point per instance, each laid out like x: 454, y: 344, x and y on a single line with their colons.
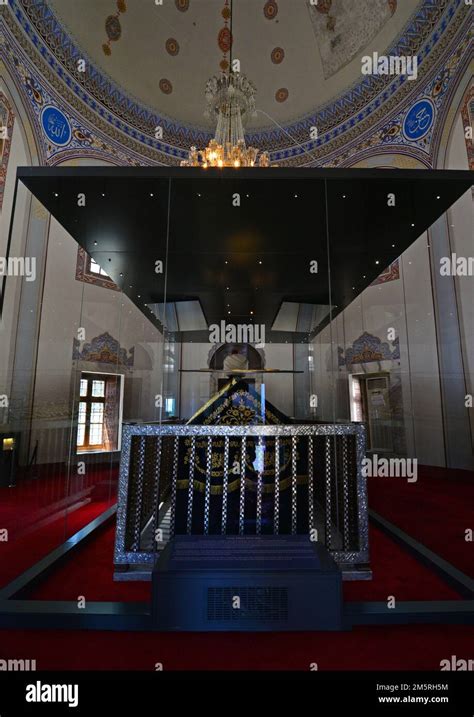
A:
x: 39, y: 516
x: 434, y: 510
x: 419, y: 509
x: 32, y: 501
x: 367, y: 648
x: 18, y: 555
x: 90, y: 574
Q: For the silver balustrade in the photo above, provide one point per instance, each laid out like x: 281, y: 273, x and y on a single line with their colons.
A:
x: 336, y: 487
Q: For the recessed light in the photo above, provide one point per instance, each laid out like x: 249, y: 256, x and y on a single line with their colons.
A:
x: 353, y: 288
x: 139, y: 296
x: 95, y: 243
x: 103, y: 194
x: 226, y: 262
x: 438, y: 197
x: 377, y: 261
x: 259, y: 262
x: 227, y: 288
x: 228, y: 312
x: 296, y: 197
x: 393, y: 245
x: 343, y: 196
x: 251, y: 312
x: 56, y: 194
x: 363, y: 276
x: 151, y: 194
x: 413, y: 225
x: 198, y: 194
x: 121, y: 274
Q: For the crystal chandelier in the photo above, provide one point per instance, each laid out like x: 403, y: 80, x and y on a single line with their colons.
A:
x: 230, y: 98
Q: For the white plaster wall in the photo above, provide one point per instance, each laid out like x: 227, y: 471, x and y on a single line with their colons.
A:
x: 19, y: 155
x: 406, y: 306
x: 422, y: 371
x: 461, y: 232
x: 279, y: 388
x: 68, y: 305
x: 195, y: 387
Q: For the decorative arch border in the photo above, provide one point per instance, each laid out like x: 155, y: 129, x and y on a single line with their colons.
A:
x: 387, y: 150
x: 8, y: 120
x: 462, y: 93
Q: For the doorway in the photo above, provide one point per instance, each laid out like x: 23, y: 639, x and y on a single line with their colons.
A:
x: 370, y: 404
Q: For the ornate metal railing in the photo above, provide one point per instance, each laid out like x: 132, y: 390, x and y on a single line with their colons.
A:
x: 324, y: 489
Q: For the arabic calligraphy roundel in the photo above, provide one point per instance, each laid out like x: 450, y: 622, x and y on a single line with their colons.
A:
x: 419, y: 119
x: 56, y: 126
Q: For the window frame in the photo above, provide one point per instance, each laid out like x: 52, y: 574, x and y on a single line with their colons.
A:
x: 89, y: 399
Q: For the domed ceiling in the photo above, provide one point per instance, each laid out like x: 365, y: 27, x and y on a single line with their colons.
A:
x: 298, y: 55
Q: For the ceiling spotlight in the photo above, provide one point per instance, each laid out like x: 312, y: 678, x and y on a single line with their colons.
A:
x: 151, y: 194
x: 198, y: 194
x: 226, y: 262
x: 259, y: 262
x: 413, y: 225
x: 296, y: 197
x: 377, y: 261
x: 251, y: 312
x: 343, y: 196
x: 121, y: 274
x: 103, y: 194
x: 227, y: 288
x: 363, y: 276
x: 130, y: 287
x: 95, y: 243
x: 353, y: 288
x: 393, y: 245
x: 438, y: 197
x: 56, y: 194
x: 228, y: 312
x: 139, y: 296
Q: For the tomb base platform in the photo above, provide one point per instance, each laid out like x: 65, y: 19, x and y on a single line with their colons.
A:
x: 253, y: 583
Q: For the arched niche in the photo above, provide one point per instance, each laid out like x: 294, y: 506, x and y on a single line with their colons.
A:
x: 255, y: 358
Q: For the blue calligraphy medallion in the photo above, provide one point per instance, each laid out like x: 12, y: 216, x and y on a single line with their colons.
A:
x: 418, y: 120
x: 56, y: 126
